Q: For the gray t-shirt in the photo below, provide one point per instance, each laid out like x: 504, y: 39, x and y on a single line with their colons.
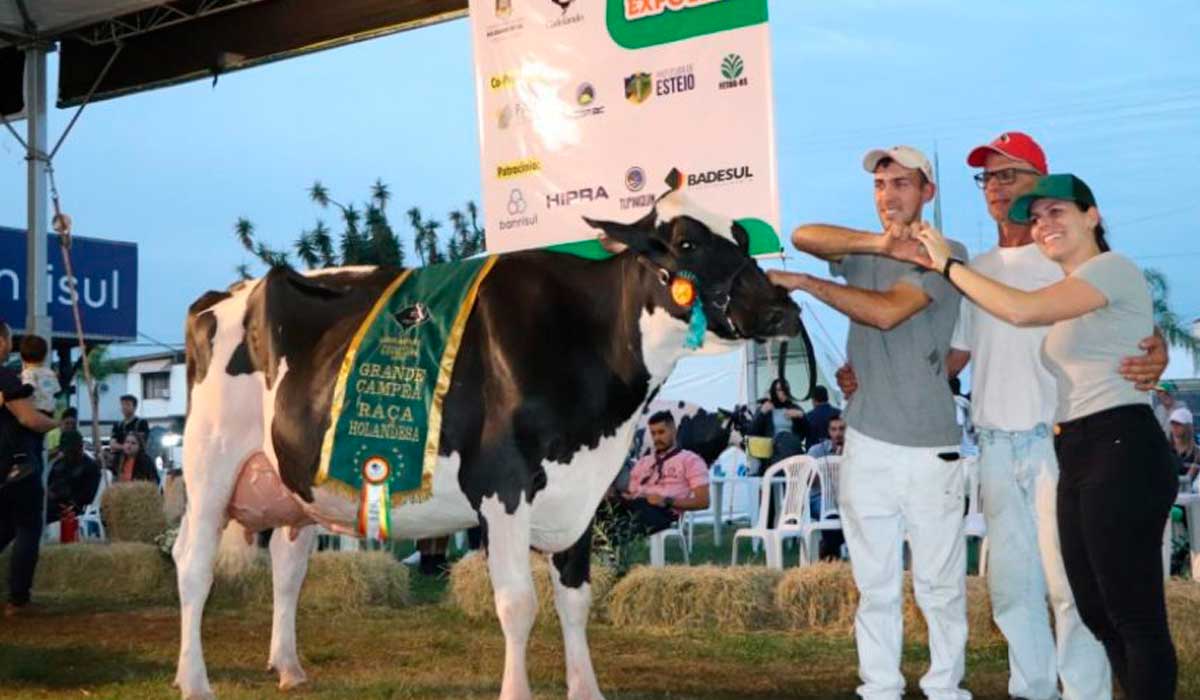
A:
x: 1084, y: 353
x: 903, y: 395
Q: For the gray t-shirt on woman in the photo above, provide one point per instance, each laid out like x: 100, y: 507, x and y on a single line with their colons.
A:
x: 1084, y: 353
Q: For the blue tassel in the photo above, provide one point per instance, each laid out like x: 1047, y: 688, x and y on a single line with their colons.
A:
x: 697, y: 328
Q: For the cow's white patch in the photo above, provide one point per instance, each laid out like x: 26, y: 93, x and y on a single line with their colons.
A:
x: 676, y: 203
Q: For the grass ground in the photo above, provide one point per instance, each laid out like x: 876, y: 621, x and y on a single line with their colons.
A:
x: 98, y: 648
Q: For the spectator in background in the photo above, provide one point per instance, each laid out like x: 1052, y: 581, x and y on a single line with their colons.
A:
x: 129, y: 424
x: 833, y: 444
x: 666, y: 482
x: 21, y: 494
x: 1164, y: 404
x: 831, y: 540
x: 818, y: 418
x: 36, y: 374
x: 67, y: 422
x: 133, y: 464
x: 74, y: 478
x: 780, y: 418
x: 1183, y: 439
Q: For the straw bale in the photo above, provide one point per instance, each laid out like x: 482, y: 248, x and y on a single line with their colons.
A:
x: 122, y: 571
x: 1183, y: 614
x: 133, y: 512
x: 818, y: 598
x: 471, y: 587
x: 727, y: 599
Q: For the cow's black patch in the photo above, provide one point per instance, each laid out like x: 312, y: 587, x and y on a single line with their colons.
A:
x: 574, y: 563
x: 239, y: 361
x: 199, y: 332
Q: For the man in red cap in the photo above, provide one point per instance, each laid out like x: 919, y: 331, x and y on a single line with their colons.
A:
x: 1013, y: 410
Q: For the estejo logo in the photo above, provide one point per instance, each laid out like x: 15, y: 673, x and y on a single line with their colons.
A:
x: 641, y: 9
x: 517, y: 168
x: 674, y: 80
x: 637, y: 87
x: 571, y: 197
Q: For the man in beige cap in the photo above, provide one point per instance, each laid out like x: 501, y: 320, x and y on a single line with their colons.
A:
x: 900, y: 475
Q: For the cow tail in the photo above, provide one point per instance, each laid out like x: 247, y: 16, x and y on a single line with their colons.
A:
x: 237, y: 553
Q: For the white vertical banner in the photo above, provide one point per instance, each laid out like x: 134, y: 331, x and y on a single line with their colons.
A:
x: 588, y: 108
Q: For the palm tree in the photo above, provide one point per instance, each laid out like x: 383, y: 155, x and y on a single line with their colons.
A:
x: 324, y: 244
x: 306, y: 250
x: 244, y: 230
x: 380, y: 193
x: 243, y: 272
x: 1173, y: 329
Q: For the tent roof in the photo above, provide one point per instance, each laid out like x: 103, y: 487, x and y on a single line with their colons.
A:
x: 163, y: 43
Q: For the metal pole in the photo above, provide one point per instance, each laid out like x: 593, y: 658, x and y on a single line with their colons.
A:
x: 37, y: 318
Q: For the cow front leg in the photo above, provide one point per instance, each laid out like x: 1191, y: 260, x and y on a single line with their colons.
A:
x: 194, y: 552
x: 512, y: 583
x: 289, y: 563
x: 573, y: 600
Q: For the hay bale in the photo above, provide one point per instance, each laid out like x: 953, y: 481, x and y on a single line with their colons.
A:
x: 133, y: 512
x: 471, y: 587
x: 1183, y: 613
x: 728, y: 599
x: 818, y: 598
x: 354, y: 580
x: 126, y: 571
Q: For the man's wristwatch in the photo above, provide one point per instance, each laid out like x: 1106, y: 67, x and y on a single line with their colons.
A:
x: 950, y: 262
x: 668, y: 502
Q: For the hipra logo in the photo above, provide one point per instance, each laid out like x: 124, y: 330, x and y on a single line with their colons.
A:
x: 732, y: 69
x: 570, y: 197
x: 637, y: 87
x: 641, y: 9
x: 674, y: 80
x: 517, y: 168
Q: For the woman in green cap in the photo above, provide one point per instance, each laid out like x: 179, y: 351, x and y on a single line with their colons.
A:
x: 1118, y: 478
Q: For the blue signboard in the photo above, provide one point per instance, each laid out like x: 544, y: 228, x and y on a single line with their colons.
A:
x: 106, y: 280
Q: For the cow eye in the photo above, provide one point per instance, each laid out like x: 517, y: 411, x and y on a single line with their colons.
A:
x: 687, y: 246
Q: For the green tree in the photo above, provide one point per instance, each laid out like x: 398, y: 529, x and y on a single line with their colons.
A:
x: 367, y: 236
x: 102, y: 367
x: 1174, y: 330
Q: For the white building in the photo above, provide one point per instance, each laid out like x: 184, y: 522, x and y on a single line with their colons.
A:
x: 158, y: 381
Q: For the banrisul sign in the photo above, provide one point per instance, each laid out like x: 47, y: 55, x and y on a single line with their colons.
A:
x: 106, y: 280
x: 586, y: 107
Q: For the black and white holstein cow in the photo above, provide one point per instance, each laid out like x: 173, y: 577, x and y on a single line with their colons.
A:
x: 559, y: 357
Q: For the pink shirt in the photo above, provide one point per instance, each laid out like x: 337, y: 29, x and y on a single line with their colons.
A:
x: 682, y: 473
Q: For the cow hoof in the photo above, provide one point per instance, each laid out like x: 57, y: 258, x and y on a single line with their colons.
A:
x: 292, y: 679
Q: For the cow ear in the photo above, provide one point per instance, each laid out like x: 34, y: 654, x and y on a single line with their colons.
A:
x: 617, y: 237
x: 741, y: 237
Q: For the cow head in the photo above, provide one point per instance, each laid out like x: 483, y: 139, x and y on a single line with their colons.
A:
x: 678, y: 239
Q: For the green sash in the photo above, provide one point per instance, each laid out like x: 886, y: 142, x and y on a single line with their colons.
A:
x: 386, y: 417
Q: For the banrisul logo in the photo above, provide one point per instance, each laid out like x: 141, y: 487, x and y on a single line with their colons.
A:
x: 636, y: 24
x: 733, y: 71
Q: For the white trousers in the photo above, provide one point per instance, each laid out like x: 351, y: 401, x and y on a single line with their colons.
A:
x: 886, y: 492
x: 1019, y: 478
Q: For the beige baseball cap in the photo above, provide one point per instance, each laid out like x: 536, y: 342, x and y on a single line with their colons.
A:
x: 907, y: 156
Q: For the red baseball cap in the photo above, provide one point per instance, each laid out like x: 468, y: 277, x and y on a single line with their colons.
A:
x: 1013, y: 144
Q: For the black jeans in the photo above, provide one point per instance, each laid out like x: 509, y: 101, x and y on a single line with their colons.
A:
x: 1115, y: 491
x: 21, y: 524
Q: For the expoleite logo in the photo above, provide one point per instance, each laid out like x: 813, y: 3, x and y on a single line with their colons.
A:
x: 637, y: 24
x: 642, y: 9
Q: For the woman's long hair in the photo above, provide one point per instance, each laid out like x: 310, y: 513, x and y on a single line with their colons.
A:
x: 772, y: 393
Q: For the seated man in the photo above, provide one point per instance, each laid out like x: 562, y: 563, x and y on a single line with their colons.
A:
x: 74, y: 478
x: 664, y: 483
x: 831, y: 540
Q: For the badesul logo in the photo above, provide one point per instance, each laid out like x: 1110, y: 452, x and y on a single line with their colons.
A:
x: 731, y: 175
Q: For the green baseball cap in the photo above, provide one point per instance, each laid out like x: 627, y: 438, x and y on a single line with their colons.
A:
x: 1167, y: 386
x: 1061, y: 186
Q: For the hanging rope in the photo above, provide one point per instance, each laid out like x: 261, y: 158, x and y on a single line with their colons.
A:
x: 62, y: 225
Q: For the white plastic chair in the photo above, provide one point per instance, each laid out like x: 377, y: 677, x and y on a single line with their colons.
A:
x: 974, y: 524
x: 738, y: 498
x: 798, y: 472
x: 826, y: 475
x: 658, y: 541
x: 91, y: 514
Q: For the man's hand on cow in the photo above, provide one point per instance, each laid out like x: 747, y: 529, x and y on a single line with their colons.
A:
x: 847, y: 381
x: 790, y: 281
x: 1145, y: 370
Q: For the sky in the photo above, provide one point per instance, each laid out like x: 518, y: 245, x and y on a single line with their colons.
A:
x: 1110, y: 89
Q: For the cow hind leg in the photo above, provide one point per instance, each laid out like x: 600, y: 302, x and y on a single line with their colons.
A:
x: 573, y: 601
x: 512, y: 583
x: 289, y: 563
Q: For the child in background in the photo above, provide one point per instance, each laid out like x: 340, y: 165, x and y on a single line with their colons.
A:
x: 35, y: 373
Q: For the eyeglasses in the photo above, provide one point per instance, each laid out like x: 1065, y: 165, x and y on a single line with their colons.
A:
x: 1007, y: 176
